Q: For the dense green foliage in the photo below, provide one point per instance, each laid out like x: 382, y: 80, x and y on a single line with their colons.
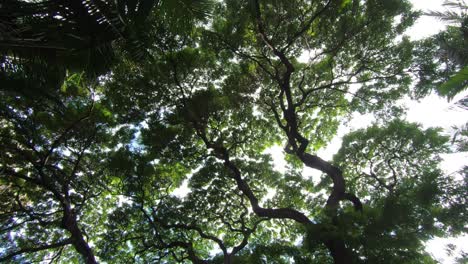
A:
x: 99, y: 144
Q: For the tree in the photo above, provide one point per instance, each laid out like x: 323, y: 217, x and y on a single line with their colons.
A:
x: 201, y: 110
x: 50, y: 172
x: 444, y: 57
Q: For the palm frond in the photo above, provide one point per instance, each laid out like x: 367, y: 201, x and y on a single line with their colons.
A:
x: 83, y: 34
x: 455, y: 84
x: 80, y: 34
x: 456, y: 12
x: 456, y: 4
x: 449, y: 16
x: 463, y: 104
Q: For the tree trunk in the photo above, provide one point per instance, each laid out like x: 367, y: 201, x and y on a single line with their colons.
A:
x: 227, y: 259
x: 70, y: 223
x: 339, y: 252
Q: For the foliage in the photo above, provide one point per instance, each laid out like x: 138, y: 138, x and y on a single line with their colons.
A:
x: 445, y: 56
x: 95, y: 168
x: 50, y: 170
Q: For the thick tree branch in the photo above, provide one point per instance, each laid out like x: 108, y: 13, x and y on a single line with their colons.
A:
x: 70, y: 223
x: 297, y: 145
x: 190, y: 251
x: 36, y: 249
x: 280, y: 213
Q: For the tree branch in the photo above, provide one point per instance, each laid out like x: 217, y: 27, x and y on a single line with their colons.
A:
x: 36, y: 249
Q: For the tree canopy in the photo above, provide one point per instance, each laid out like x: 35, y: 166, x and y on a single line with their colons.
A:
x: 138, y: 132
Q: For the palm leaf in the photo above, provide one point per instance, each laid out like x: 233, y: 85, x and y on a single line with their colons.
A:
x: 455, y: 13
x: 449, y: 16
x: 455, y: 84
x: 456, y: 4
